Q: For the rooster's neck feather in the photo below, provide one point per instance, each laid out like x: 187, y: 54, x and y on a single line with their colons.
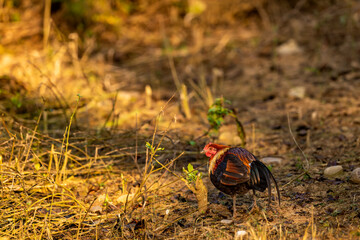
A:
x: 214, y: 159
x: 218, y: 146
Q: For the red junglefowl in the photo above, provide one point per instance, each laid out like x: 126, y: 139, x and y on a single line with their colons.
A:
x: 234, y: 170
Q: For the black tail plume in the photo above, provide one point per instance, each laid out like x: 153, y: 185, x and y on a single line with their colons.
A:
x: 260, y: 178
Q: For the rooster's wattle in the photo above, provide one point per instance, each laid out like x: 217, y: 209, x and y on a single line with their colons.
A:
x: 234, y: 170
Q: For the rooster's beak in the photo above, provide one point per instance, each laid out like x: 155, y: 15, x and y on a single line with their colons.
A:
x: 202, y: 151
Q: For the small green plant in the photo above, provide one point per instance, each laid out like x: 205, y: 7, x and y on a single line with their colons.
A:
x: 16, y: 100
x: 191, y: 175
x: 216, y: 114
x: 193, y: 180
x: 106, y: 200
x: 153, y: 149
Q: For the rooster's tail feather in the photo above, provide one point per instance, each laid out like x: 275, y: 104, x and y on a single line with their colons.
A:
x: 260, y: 178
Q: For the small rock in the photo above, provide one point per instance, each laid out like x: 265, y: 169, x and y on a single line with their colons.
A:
x: 227, y: 221
x: 297, y: 92
x: 356, y: 120
x: 96, y: 209
x: 314, y: 116
x: 226, y: 138
x: 240, y: 234
x: 271, y: 160
x: 344, y: 128
x: 333, y: 171
x: 166, y: 214
x: 289, y: 48
x: 355, y: 175
x: 228, y: 135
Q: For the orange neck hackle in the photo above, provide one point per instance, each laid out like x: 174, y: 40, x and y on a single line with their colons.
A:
x: 214, y: 152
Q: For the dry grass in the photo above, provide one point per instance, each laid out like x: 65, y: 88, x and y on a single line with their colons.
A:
x: 48, y: 186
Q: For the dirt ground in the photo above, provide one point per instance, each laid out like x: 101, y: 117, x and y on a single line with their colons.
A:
x: 96, y: 131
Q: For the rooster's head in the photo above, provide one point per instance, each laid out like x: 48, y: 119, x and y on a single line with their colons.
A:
x: 212, y: 148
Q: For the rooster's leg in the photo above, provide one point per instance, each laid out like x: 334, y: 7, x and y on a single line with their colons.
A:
x: 253, y: 206
x: 234, y: 206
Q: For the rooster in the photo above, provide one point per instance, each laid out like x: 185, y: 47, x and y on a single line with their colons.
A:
x: 234, y: 170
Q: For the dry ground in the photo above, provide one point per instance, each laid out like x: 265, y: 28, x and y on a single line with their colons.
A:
x: 73, y: 155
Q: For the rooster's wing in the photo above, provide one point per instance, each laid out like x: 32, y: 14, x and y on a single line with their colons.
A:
x: 232, y: 171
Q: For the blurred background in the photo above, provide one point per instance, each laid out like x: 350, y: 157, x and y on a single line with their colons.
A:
x: 245, y: 51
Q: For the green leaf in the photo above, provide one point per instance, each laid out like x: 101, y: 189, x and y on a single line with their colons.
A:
x: 196, y: 7
x: 16, y: 101
x: 211, y: 110
x: 37, y: 166
x: 148, y: 145
x: 190, y: 167
x: 192, y: 143
x: 191, y: 173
